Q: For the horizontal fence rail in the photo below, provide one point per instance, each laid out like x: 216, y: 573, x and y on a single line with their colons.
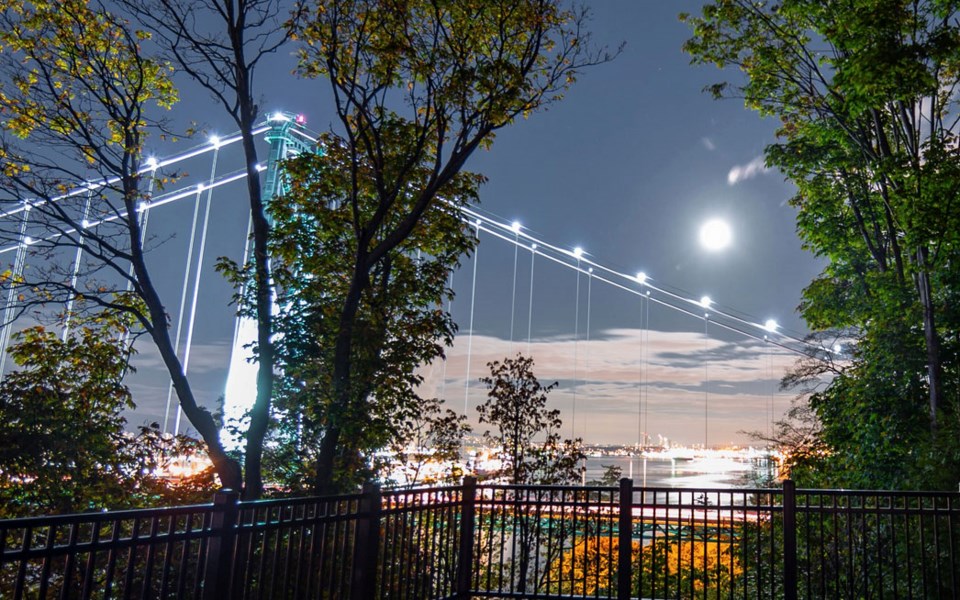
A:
x: 500, y: 541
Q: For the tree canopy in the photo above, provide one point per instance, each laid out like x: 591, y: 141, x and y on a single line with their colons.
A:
x: 525, y: 430
x: 865, y: 94
x: 64, y: 444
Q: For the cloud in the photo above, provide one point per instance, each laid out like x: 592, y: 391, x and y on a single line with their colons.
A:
x: 708, y: 144
x: 748, y: 171
x: 674, y: 373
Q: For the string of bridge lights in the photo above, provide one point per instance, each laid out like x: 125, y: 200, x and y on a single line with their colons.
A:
x: 639, y: 284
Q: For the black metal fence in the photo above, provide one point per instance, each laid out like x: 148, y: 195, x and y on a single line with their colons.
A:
x: 499, y: 541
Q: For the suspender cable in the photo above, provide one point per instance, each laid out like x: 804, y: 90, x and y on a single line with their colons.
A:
x: 18, y: 263
x: 246, y: 254
x: 640, y: 429
x: 576, y: 340
x: 78, y: 257
x: 144, y: 217
x: 196, y: 280
x: 183, y: 302
x: 533, y: 256
x: 443, y: 375
x: 513, y: 295
x: 586, y: 369
x: 706, y: 378
x: 646, y: 370
x: 473, y: 298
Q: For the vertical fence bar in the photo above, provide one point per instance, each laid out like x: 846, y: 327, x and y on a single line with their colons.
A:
x: 789, y: 540
x: 366, y: 549
x: 625, y: 539
x: 468, y: 501
x: 219, y: 559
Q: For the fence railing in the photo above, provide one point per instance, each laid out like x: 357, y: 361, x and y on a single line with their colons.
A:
x: 500, y: 541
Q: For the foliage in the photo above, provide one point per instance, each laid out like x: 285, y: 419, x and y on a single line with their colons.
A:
x: 78, y: 98
x: 418, y: 86
x: 527, y: 433
x: 694, y: 567
x: 865, y: 95
x: 611, y: 476
x: 429, y: 443
x: 526, y: 437
x: 589, y: 568
x: 398, y: 324
x: 63, y: 444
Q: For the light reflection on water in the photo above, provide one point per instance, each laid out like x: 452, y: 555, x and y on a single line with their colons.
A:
x: 678, y: 473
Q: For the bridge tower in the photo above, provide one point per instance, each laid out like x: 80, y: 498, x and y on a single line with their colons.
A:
x: 288, y: 137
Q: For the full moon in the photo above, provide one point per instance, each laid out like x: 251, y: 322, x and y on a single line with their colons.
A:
x: 715, y: 235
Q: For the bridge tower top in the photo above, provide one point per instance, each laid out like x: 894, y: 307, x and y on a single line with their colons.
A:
x: 288, y: 137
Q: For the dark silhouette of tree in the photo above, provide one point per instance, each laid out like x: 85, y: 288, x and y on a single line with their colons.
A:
x: 63, y: 440
x: 865, y: 92
x: 418, y: 86
x: 220, y: 44
x: 78, y: 101
x: 526, y: 432
x: 398, y: 326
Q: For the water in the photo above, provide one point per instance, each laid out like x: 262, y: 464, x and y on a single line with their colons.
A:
x: 677, y: 473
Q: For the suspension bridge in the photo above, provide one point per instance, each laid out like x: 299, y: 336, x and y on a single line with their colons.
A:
x: 678, y: 363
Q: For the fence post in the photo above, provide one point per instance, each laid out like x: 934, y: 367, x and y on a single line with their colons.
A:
x: 220, y: 547
x: 789, y: 540
x: 366, y: 545
x: 468, y: 513
x: 625, y: 540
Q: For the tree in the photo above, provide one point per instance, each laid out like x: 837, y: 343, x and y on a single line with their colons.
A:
x: 432, y: 436
x: 527, y: 433
x: 864, y: 92
x: 77, y: 102
x: 418, y: 86
x: 63, y: 440
x: 398, y: 325
x: 220, y: 44
x: 531, y: 453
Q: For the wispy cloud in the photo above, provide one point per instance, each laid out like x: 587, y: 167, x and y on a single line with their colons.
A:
x: 748, y: 171
x: 708, y: 143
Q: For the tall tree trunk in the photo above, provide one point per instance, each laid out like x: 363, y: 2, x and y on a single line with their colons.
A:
x: 934, y: 370
x: 260, y: 413
x: 226, y: 467
x: 341, y: 382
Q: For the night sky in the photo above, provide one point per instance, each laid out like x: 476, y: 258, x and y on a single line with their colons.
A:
x: 627, y: 166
